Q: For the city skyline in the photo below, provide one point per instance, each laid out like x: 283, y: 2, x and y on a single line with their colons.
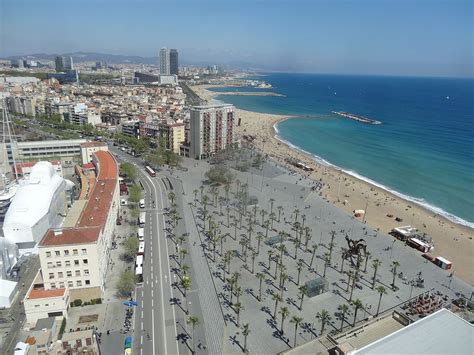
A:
x: 384, y: 38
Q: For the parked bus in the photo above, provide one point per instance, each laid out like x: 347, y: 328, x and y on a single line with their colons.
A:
x: 141, y: 249
x: 141, y: 219
x: 150, y: 171
x: 139, y: 268
x: 141, y: 234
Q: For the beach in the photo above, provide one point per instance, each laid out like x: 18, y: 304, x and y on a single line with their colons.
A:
x: 452, y: 241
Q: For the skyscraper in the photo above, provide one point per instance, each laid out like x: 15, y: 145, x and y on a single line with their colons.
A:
x: 59, y: 63
x: 68, y: 63
x: 168, y: 61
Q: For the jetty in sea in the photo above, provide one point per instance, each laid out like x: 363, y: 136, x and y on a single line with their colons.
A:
x: 357, y: 118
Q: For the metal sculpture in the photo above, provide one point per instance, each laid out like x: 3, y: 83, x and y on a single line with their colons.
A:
x: 355, y: 248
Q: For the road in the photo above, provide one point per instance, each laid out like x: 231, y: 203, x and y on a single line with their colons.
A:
x: 155, y: 321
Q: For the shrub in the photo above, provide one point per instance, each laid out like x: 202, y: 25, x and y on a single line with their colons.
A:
x: 63, y: 327
x: 77, y: 302
x: 98, y: 301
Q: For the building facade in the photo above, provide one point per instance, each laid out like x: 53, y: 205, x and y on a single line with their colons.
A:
x: 211, y: 130
x: 168, y: 61
x: 34, y: 150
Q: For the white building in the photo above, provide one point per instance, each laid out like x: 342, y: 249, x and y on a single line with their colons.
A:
x: 39, y: 204
x: 211, y: 130
x: 89, y: 148
x: 78, y: 257
x: 27, y: 151
x: 8, y: 290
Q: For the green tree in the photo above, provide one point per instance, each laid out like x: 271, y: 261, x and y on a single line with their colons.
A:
x: 296, y: 321
x: 128, y: 170
x: 245, y: 333
x: 219, y: 174
x: 375, y: 264
x: 395, y: 265
x: 194, y: 321
x: 343, y: 310
x: 260, y: 277
x: 126, y: 283
x: 303, y: 291
x: 130, y: 247
x: 381, y: 290
x: 284, y: 313
x: 277, y: 298
x: 324, y: 317
x: 357, y: 305
x: 135, y: 194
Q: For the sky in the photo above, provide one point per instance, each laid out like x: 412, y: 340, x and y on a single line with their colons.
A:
x: 387, y: 37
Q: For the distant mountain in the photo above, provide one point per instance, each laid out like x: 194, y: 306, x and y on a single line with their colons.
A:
x: 91, y: 57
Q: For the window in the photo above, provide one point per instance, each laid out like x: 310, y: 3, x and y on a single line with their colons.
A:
x: 53, y: 285
x: 51, y: 275
x: 84, y: 251
x: 88, y: 282
x: 48, y: 254
x: 66, y: 253
x: 69, y: 274
x: 68, y: 263
x: 86, y: 272
x: 60, y: 275
x: 58, y: 264
x: 85, y: 261
x: 79, y: 283
x: 76, y: 262
x: 58, y: 253
x: 70, y: 283
x: 50, y: 265
x: 74, y: 252
x: 61, y: 285
x: 78, y: 272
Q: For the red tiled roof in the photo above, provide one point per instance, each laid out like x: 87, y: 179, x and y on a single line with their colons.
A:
x: 69, y: 236
x: 107, y: 166
x: 42, y: 293
x: 88, y: 166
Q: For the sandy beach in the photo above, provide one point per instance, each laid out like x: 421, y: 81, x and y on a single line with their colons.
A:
x: 452, y: 241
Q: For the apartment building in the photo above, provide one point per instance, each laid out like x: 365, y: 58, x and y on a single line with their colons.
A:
x: 77, y: 257
x: 211, y: 130
x: 171, y: 133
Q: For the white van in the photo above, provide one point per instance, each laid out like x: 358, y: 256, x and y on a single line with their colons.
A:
x: 141, y: 219
x: 141, y: 234
x: 142, y: 203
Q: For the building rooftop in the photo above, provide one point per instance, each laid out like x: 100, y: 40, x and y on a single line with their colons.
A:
x: 442, y: 332
x: 93, y: 144
x: 37, y: 293
x: 207, y: 107
x: 70, y: 236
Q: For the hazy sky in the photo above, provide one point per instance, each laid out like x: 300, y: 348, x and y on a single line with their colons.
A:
x: 407, y: 37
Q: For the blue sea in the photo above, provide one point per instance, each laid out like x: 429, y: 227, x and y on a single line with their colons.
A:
x: 423, y: 150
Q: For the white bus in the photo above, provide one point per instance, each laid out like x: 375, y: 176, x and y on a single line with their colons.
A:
x: 139, y: 274
x: 141, y: 249
x: 150, y: 171
x: 142, y: 203
x: 139, y: 261
x: 141, y: 234
x: 141, y: 219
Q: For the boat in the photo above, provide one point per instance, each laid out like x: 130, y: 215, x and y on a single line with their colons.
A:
x: 357, y: 118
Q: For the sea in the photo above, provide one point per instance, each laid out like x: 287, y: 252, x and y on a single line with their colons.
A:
x: 423, y: 151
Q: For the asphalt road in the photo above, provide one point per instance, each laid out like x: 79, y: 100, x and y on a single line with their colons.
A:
x: 155, y: 320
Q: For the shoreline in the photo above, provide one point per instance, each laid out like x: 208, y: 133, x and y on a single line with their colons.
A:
x: 453, y: 241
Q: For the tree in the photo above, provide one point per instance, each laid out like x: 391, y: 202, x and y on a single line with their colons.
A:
x: 195, y: 192
x: 171, y: 196
x: 296, y: 321
x: 367, y: 257
x: 126, y: 283
x: 135, y: 194
x: 271, y: 201
x: 284, y: 313
x: 327, y: 260
x: 194, y: 321
x: 355, y: 278
x: 260, y: 278
x: 381, y: 290
x: 134, y: 213
x: 280, y: 210
x: 314, y: 247
x: 296, y: 212
x: 186, y: 285
x: 219, y: 174
x: 245, y: 333
x: 324, y: 317
x: 130, y: 247
x: 128, y: 170
x: 277, y: 298
x: 395, y: 265
x: 238, y: 308
x: 303, y: 291
x: 299, y: 267
x: 343, y: 310
x: 357, y: 304
x: 375, y: 264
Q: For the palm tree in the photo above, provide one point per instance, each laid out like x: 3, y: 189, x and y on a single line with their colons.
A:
x: 186, y: 285
x: 284, y: 313
x: 237, y: 308
x: 271, y: 201
x: 171, y: 196
x: 367, y: 257
x: 327, y: 260
x: 184, y: 269
x: 280, y: 209
x: 283, y: 278
x: 277, y: 298
x: 297, y: 244
x: 296, y: 321
x: 395, y: 265
x: 238, y: 293
x: 355, y: 278
x: 194, y: 321
x: 296, y: 212
x: 324, y: 317
x: 245, y: 333
x: 343, y: 259
x: 331, y: 247
x: 228, y: 215
x: 195, y: 192
x: 307, y: 237
x: 344, y: 310
x: 314, y: 247
x: 357, y: 304
x: 349, y: 274
x: 201, y: 189
x: 267, y: 227
x: 182, y: 255
x: 253, y: 255
x: 303, y: 291
x: 270, y: 256
x: 259, y: 240
x: 260, y: 278
x: 375, y: 264
x: 272, y: 217
x: 299, y: 267
x: 381, y: 290
x: 263, y: 213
